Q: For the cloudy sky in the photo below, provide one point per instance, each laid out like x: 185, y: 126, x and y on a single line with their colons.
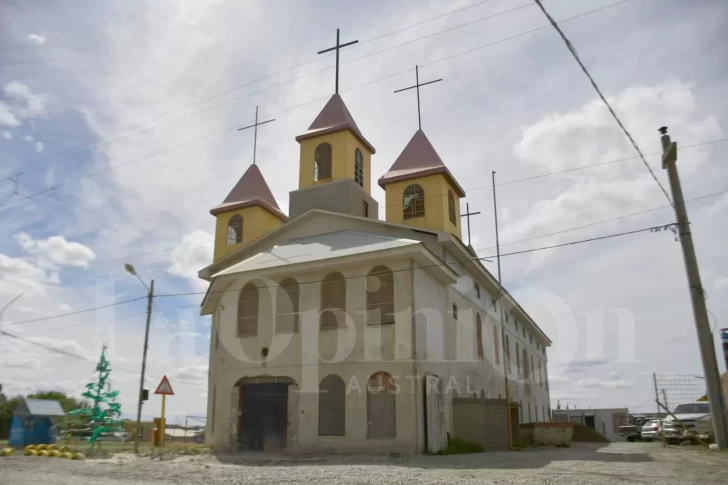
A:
x: 118, y: 134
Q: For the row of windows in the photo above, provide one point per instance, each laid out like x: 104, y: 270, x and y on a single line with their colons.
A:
x: 413, y: 203
x: 381, y: 406
x: 379, y: 302
x: 322, y: 164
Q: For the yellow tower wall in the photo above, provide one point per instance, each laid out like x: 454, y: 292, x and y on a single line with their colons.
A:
x: 436, y: 217
x: 257, y: 222
x: 343, y: 146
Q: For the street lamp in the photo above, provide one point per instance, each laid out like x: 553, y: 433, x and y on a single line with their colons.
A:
x: 150, y: 296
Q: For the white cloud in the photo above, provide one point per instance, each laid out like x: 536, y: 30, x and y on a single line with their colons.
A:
x: 7, y: 118
x: 7, y: 135
x: 191, y: 372
x: 28, y: 138
x: 28, y: 104
x: 68, y: 346
x: 593, y: 382
x: 37, y: 39
x: 191, y: 256
x: 57, y: 250
x: 39, y: 147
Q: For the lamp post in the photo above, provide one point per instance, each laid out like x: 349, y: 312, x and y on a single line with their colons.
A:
x: 150, y: 296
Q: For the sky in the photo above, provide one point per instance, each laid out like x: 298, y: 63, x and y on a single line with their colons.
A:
x: 118, y: 133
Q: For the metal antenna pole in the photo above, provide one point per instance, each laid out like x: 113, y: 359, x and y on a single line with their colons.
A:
x: 506, y: 361
x: 700, y: 312
x: 150, y: 298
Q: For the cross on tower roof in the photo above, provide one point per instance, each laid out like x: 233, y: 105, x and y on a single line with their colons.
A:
x: 467, y: 216
x: 337, y: 48
x: 255, y: 136
x: 417, y: 86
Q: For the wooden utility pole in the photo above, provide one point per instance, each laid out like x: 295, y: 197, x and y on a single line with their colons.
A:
x: 700, y: 312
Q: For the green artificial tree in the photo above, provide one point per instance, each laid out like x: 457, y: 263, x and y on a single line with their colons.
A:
x: 104, y: 412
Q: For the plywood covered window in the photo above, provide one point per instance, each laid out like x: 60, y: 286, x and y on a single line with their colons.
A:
x: 451, y: 207
x: 332, y: 406
x: 235, y: 230
x: 248, y: 310
x: 322, y: 162
x: 381, y: 406
x: 479, y: 335
x: 496, y: 344
x: 333, y: 300
x: 413, y: 203
x: 287, y: 306
x: 380, y: 296
x: 359, y: 167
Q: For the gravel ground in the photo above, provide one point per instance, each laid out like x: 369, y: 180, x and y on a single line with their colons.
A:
x: 581, y: 464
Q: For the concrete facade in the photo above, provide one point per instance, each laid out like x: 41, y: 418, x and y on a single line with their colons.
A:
x: 344, y: 196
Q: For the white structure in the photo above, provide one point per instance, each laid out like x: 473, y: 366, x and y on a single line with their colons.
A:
x: 605, y: 421
x: 333, y: 329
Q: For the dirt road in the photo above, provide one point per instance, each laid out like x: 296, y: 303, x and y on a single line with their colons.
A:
x: 616, y: 463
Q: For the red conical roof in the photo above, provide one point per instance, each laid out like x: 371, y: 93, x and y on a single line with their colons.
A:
x: 250, y: 190
x: 334, y: 117
x: 418, y: 159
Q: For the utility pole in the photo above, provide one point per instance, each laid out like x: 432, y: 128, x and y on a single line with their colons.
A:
x: 506, y: 360
x: 150, y: 297
x: 700, y: 312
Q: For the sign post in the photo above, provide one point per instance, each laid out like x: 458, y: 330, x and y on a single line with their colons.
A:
x: 164, y: 389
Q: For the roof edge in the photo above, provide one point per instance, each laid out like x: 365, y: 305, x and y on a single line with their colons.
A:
x: 222, y: 208
x: 384, y: 179
x: 336, y: 129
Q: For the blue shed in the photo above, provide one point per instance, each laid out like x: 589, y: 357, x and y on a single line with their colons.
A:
x: 32, y: 422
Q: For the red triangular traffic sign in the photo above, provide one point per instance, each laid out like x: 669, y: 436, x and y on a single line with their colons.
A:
x: 164, y: 387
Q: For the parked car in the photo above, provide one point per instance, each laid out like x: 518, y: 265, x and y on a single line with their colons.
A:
x: 682, y: 425
x: 631, y: 428
x: 651, y: 430
x: 114, y: 436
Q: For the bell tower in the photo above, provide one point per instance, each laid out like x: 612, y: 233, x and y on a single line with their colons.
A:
x: 335, y: 161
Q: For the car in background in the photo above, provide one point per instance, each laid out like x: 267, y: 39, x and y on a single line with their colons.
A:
x: 681, y: 424
x: 650, y: 430
x: 120, y: 436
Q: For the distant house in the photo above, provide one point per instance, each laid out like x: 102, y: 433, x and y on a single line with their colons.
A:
x: 181, y: 434
x: 604, y: 421
x: 32, y: 422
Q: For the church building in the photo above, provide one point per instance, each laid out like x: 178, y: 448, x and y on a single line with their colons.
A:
x: 335, y: 330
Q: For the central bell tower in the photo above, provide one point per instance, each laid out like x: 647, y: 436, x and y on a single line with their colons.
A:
x: 335, y: 161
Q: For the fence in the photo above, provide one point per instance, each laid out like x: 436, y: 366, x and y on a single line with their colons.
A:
x: 673, y: 392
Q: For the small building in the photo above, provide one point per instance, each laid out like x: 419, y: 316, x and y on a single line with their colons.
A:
x: 604, y: 421
x: 32, y: 422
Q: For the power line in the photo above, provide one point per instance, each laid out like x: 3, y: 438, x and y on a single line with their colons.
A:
x: 81, y: 357
x: 78, y: 312
x: 80, y: 148
x: 111, y: 167
x: 571, y: 48
x: 652, y: 228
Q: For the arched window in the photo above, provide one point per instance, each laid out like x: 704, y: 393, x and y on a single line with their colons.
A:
x: 413, y: 203
x: 359, y: 167
x: 479, y: 336
x: 287, y: 306
x: 380, y: 296
x: 381, y: 406
x: 235, y: 230
x: 248, y: 310
x: 496, y: 344
x: 451, y: 207
x: 332, y: 406
x: 333, y: 300
x: 322, y: 162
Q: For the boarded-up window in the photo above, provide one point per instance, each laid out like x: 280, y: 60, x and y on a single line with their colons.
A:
x: 359, y: 167
x: 518, y: 360
x: 508, y: 354
x: 235, y: 230
x: 533, y: 373
x: 451, y: 207
x: 287, y: 306
x: 381, y: 406
x: 525, y: 373
x: 479, y: 336
x: 248, y: 310
x: 322, y: 162
x: 332, y: 406
x: 496, y: 344
x: 333, y: 300
x: 413, y: 203
x: 380, y: 296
